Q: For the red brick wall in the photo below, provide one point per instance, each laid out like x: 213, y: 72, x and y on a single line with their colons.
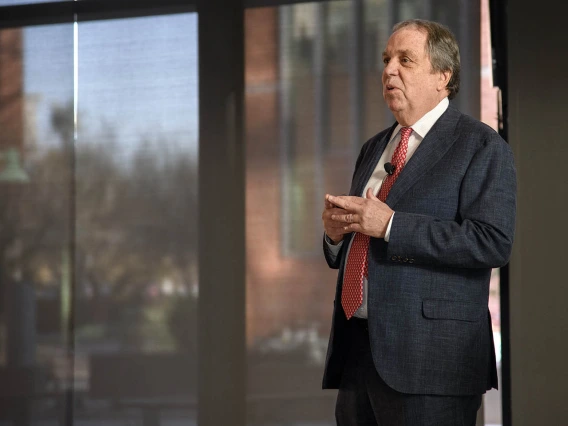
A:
x: 488, y: 92
x: 283, y: 290
x: 11, y: 89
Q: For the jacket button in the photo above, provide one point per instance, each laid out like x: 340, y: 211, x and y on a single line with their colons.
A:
x: 411, y: 261
x: 393, y: 258
x: 405, y: 259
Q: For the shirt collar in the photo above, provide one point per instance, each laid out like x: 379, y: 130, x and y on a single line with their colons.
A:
x: 423, y: 126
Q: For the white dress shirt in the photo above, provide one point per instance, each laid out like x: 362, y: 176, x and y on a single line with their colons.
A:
x: 419, y: 131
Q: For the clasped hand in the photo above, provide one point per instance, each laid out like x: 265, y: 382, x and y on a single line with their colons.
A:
x: 344, y: 214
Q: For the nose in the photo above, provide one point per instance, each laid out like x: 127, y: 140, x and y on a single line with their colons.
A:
x: 391, y: 68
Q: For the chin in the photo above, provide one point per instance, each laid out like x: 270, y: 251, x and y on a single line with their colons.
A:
x: 394, y: 105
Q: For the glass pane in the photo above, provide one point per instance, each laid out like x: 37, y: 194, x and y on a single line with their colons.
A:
x: 136, y: 261
x: 313, y: 97
x: 299, y: 77
x: 36, y: 82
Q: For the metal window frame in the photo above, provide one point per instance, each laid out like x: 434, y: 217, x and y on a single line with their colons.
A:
x: 60, y: 12
x: 87, y: 10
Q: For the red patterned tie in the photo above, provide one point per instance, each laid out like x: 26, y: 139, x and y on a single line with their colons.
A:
x: 357, y: 263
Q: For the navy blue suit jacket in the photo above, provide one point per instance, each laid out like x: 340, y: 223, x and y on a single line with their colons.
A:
x: 454, y: 203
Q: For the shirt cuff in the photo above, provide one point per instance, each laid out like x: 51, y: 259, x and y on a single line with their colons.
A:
x: 333, y: 248
x: 388, y: 233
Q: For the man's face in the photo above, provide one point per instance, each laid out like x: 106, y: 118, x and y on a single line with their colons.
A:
x: 410, y: 87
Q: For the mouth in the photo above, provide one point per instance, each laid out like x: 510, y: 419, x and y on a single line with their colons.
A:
x: 390, y: 87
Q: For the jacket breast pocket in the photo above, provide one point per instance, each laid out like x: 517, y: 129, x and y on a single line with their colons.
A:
x: 459, y: 310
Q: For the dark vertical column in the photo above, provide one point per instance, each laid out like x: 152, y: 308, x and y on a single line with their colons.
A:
x: 16, y: 293
x: 537, y: 129
x: 357, y: 77
x: 505, y: 385
x: 221, y: 214
x: 468, y: 33
x: 504, y: 285
x: 321, y: 83
x: 427, y: 9
x: 498, y: 19
x: 498, y: 30
x: 392, y: 13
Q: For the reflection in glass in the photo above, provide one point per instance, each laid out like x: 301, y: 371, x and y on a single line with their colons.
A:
x: 100, y: 210
x: 136, y: 195
x: 313, y: 97
x: 36, y: 76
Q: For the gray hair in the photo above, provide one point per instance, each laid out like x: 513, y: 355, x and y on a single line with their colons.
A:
x: 442, y: 48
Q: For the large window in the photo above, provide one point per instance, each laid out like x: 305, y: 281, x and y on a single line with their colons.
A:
x: 313, y: 97
x: 36, y: 77
x: 99, y: 216
x: 98, y: 253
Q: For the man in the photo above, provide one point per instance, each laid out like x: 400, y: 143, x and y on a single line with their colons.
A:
x: 430, y: 212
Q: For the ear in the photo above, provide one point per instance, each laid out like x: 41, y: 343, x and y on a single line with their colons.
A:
x: 444, y: 79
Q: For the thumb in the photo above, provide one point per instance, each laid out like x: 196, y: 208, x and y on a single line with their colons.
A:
x: 371, y: 195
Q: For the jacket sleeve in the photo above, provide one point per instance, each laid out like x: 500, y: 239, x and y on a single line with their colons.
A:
x: 482, y: 234
x: 334, y: 259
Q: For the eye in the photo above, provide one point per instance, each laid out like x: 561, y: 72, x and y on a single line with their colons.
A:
x: 386, y: 60
x: 405, y: 60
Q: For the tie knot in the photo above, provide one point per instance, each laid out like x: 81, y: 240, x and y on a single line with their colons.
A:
x: 405, y: 132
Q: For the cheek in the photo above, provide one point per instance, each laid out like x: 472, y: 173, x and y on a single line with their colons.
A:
x: 416, y: 87
x: 431, y: 84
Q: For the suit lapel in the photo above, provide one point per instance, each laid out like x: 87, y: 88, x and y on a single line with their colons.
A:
x: 436, y: 143
x: 365, y: 170
x: 369, y: 164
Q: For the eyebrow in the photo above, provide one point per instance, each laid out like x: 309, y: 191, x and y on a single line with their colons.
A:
x: 403, y: 52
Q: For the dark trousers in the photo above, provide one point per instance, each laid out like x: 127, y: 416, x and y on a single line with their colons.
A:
x: 364, y: 399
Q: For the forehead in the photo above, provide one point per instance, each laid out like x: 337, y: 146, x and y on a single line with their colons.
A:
x: 408, y: 39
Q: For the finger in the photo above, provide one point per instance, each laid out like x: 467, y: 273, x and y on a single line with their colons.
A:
x: 336, y: 224
x: 328, y: 213
x: 339, y: 231
x: 348, y: 218
x: 336, y: 231
x: 338, y: 228
x: 371, y: 195
x: 353, y: 227
x: 335, y: 210
x: 346, y: 202
x: 328, y: 204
